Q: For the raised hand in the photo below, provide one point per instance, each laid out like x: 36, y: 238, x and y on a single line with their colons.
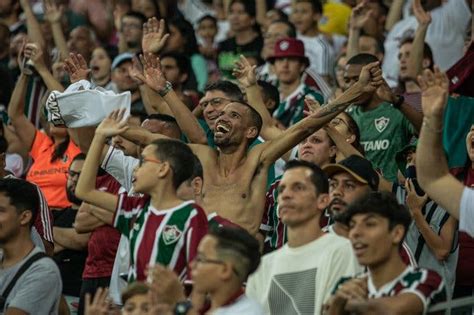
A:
x: 113, y: 125
x: 165, y: 285
x: 136, y: 72
x: 312, y: 105
x: 76, y: 67
x: 423, y: 17
x: 370, y: 77
x: 152, y: 74
x: 434, y: 92
x: 360, y: 15
x: 245, y: 72
x: 51, y: 11
x: 99, y: 305
x: 35, y: 54
x: 154, y: 37
x: 415, y: 203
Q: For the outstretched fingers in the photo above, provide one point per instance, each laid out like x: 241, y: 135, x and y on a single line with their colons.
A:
x: 441, y: 78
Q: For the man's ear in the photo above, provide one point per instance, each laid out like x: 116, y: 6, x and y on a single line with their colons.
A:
x: 398, y: 232
x: 252, y: 132
x: 323, y: 201
x: 163, y: 169
x: 26, y: 217
x: 196, y: 184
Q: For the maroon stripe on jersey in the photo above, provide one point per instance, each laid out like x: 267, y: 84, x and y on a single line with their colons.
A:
x: 430, y: 285
x: 147, y: 244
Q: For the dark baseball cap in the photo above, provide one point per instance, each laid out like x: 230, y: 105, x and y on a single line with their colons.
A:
x: 360, y: 168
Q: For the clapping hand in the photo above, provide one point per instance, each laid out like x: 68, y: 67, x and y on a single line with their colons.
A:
x: 76, y: 67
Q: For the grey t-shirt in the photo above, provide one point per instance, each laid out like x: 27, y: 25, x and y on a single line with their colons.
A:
x: 38, y: 290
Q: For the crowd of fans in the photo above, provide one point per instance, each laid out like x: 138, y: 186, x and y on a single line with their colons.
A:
x: 254, y: 156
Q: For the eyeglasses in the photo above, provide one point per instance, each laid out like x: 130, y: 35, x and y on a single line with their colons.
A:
x: 142, y: 160
x: 199, y: 259
x: 73, y: 174
x: 214, y: 102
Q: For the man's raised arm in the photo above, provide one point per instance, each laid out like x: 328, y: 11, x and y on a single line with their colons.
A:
x: 245, y: 73
x: 154, y: 78
x: 369, y: 80
x: 432, y: 167
x: 85, y: 189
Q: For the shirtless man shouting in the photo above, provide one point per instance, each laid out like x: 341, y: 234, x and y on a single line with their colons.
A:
x: 235, y: 177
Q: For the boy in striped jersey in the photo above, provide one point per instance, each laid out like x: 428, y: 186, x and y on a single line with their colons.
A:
x: 377, y: 227
x: 160, y: 226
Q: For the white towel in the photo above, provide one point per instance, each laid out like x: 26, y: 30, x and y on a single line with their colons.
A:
x: 80, y: 106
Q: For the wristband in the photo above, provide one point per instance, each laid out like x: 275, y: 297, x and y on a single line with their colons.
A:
x: 399, y: 102
x: 168, y: 87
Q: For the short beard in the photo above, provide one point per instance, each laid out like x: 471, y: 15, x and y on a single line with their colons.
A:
x: 338, y: 216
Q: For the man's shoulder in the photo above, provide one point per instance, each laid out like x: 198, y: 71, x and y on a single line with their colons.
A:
x: 418, y: 275
x: 40, y: 268
x: 336, y: 241
x: 245, y: 305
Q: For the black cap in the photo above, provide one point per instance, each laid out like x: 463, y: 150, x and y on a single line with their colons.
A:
x: 360, y: 168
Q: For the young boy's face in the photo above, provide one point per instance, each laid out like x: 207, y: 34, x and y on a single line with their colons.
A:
x: 207, y: 29
x: 372, y: 239
x: 303, y: 17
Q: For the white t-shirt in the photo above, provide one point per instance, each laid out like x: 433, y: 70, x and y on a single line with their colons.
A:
x: 320, y: 54
x: 14, y: 164
x: 243, y: 305
x: 466, y: 211
x: 445, y: 37
x: 299, y: 280
x: 120, y: 166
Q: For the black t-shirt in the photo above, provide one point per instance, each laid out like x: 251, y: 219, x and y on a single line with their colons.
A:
x: 70, y: 262
x: 230, y: 51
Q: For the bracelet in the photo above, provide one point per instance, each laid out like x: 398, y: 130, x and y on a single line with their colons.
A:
x: 168, y: 87
x: 399, y: 102
x: 426, y: 124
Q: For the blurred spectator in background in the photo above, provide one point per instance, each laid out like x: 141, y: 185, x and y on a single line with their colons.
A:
x: 246, y: 39
x: 305, y: 15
